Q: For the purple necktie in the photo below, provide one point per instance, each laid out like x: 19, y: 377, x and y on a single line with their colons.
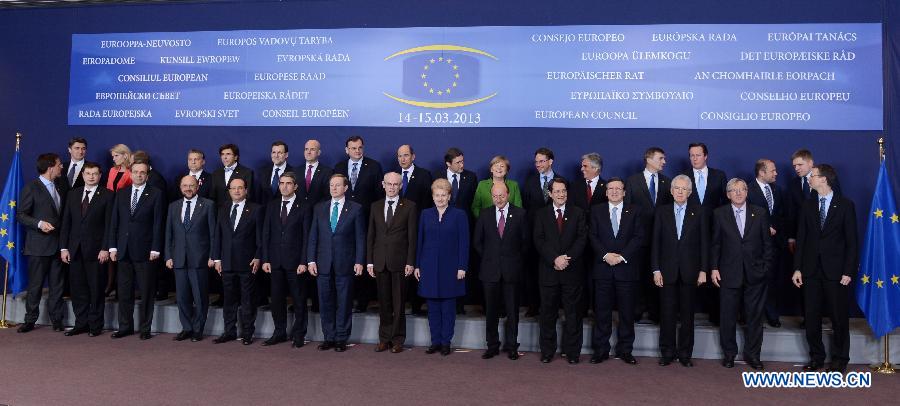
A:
x: 308, y: 177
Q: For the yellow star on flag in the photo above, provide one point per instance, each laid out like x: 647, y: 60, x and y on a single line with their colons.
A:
x: 895, y: 218
x: 2, y: 232
x: 880, y: 283
x: 879, y: 213
x: 865, y: 279
x: 10, y: 245
x: 12, y: 203
x: 895, y: 279
x: 4, y: 217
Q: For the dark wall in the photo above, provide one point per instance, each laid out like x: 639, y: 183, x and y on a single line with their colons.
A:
x: 35, y: 51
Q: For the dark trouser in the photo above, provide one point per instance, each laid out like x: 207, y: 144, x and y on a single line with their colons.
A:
x: 441, y: 320
x: 164, y: 280
x: 262, y: 289
x: 335, y: 305
x: 531, y: 289
x: 493, y: 293
x: 677, y: 305
x: 570, y: 296
x: 754, y: 302
x: 606, y: 293
x: 88, y: 280
x: 40, y: 268
x: 192, y: 290
x: 827, y: 298
x: 213, y: 284
x: 145, y: 274
x: 415, y: 301
x: 238, y: 288
x: 391, y: 306
x: 710, y: 301
x: 286, y: 282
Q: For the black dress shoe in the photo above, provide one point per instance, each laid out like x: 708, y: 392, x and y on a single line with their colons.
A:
x: 298, y: 343
x: 340, y: 346
x: 686, y: 362
x: 274, y: 340
x: 25, y: 328
x: 196, y: 337
x: 326, y: 345
x: 813, y: 366
x: 432, y: 349
x: 545, y: 359
x: 120, y: 334
x: 599, y: 358
x: 755, y: 364
x: 75, y: 332
x: 728, y: 362
x: 572, y: 359
x: 513, y: 355
x: 628, y: 359
x: 774, y: 323
x: 184, y: 335
x: 224, y: 338
x: 247, y: 340
x: 146, y: 336
x: 665, y: 361
x: 490, y: 353
x: 445, y: 350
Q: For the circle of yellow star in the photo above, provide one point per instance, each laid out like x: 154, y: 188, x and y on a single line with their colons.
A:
x: 424, y: 76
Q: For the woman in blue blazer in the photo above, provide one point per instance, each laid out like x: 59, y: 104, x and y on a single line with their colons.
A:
x: 442, y: 257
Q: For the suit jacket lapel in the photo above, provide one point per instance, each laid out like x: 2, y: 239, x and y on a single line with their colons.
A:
x: 829, y: 217
x: 94, y: 196
x: 245, y: 217
x: 145, y: 194
x: 342, y: 216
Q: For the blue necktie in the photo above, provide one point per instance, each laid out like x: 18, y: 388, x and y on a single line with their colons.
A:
x: 275, y: 179
x: 805, y: 187
x: 770, y: 201
x: 186, y: 220
x: 354, y: 175
x: 615, y: 221
x: 701, y: 186
x: 405, y: 181
x: 679, y: 219
x: 545, y: 189
x: 653, y: 189
x: 334, y: 216
x: 739, y: 218
x: 822, y: 213
x: 454, y: 189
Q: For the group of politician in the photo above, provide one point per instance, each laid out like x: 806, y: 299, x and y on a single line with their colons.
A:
x: 353, y: 233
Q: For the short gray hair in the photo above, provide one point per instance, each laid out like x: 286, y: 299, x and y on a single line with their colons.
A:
x: 594, y: 158
x: 685, y: 178
x: 733, y: 183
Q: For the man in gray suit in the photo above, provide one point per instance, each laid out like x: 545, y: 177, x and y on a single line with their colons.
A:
x: 38, y: 210
x: 190, y: 229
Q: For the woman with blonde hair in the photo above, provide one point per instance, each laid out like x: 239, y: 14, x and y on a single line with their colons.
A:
x: 499, y: 170
x: 120, y: 173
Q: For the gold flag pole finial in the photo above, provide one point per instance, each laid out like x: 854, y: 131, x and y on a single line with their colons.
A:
x: 885, y: 367
x: 18, y: 138
x: 881, y: 148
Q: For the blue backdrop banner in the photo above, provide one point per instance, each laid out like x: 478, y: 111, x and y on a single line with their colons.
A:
x: 737, y: 76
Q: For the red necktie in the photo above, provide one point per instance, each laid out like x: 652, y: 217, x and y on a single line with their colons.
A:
x: 501, y: 225
x: 590, y: 193
x: 308, y: 177
x: 559, y: 220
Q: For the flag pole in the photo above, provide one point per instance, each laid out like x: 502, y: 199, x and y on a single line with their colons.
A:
x: 3, y: 322
x: 885, y: 367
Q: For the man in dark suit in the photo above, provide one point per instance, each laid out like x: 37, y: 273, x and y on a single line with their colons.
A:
x: 560, y: 235
x: 136, y: 240
x: 365, y: 177
x: 390, y: 258
x: 708, y: 193
x: 827, y: 258
x: 284, y: 239
x: 536, y: 196
x: 230, y: 155
x: 83, y: 243
x: 416, y: 187
x: 741, y: 257
x: 314, y: 189
x: 616, y: 236
x: 70, y: 177
x: 236, y: 253
x: 165, y: 281
x: 501, y: 238
x: 799, y: 191
x: 190, y: 231
x: 196, y: 159
x: 39, y: 210
x: 336, y: 252
x: 270, y: 174
x: 463, y: 182
x: 648, y: 189
x: 679, y: 257
x: 763, y: 192
x: 593, y: 193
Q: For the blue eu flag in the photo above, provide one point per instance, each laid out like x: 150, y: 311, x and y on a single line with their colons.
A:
x: 441, y: 76
x: 11, y: 233
x: 878, y: 290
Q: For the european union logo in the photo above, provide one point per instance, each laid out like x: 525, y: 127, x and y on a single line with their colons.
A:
x: 878, y: 290
x: 441, y: 76
x: 11, y: 233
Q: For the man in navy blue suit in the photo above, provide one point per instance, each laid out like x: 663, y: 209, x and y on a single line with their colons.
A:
x: 336, y: 253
